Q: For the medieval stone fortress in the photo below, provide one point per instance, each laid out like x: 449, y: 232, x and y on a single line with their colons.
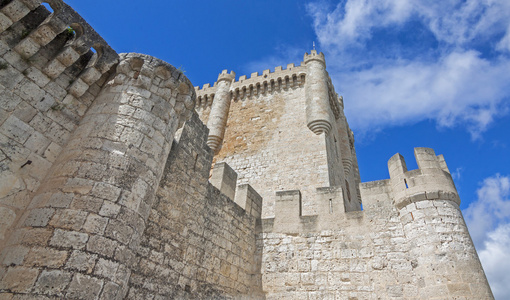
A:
x: 106, y: 188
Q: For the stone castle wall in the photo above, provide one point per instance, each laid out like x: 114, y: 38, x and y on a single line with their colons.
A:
x: 49, y: 77
x: 103, y: 196
x: 421, y: 250
x: 198, y: 243
x: 268, y: 143
x: 269, y: 128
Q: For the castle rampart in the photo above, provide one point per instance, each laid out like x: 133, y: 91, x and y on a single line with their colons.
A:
x: 418, y: 251
x: 106, y: 188
x: 198, y: 244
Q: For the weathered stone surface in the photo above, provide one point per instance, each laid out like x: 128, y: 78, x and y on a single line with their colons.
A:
x: 102, y: 196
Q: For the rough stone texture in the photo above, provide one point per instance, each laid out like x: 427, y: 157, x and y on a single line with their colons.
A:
x: 198, y: 243
x: 267, y: 141
x: 103, y: 197
x: 37, y: 111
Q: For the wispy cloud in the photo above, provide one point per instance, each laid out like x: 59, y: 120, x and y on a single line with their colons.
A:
x: 398, y: 62
x: 496, y: 260
x: 283, y: 55
x: 490, y: 209
x: 488, y: 220
x: 457, y: 175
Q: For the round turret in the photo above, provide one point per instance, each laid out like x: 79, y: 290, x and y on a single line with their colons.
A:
x: 318, y: 112
x: 439, y: 241
x: 219, y: 110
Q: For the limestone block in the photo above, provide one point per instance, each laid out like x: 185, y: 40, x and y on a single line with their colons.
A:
x: 16, y: 61
x: 46, y: 257
x: 69, y: 239
x: 52, y: 282
x: 54, y: 68
x: 19, y: 279
x: 5, y: 22
x: 78, y: 88
x: 15, y: 10
x: 7, y: 217
x: 90, y: 75
x: 39, y: 217
x: 43, y: 34
x: 84, y: 287
x: 27, y: 47
x: 68, y: 56
x: 81, y: 261
x: 52, y: 151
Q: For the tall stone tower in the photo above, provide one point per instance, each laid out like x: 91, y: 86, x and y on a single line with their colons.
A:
x: 283, y: 130
x: 103, y: 196
x: 285, y: 134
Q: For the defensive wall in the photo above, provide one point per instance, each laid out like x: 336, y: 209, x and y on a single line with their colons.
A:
x: 106, y: 190
x: 409, y: 242
x: 85, y: 134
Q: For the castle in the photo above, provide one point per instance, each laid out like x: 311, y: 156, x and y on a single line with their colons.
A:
x: 106, y: 188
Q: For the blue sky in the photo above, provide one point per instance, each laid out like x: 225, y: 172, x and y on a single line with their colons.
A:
x: 418, y: 73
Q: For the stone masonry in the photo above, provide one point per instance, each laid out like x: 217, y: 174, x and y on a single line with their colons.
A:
x: 112, y: 187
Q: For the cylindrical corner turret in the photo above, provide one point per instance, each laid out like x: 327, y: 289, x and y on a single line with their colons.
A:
x: 439, y: 241
x: 318, y: 115
x: 108, y: 174
x: 219, y: 110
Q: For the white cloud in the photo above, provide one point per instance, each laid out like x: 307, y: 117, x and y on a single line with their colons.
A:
x: 457, y: 175
x: 488, y: 220
x: 282, y: 57
x: 461, y: 87
x: 452, y: 21
x: 495, y: 259
x: 455, y: 82
x: 490, y: 209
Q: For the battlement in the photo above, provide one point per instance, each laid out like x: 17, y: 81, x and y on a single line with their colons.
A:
x: 332, y: 208
x: 224, y: 75
x: 432, y: 179
x: 57, y: 41
x: 314, y: 56
x: 258, y: 84
x: 224, y: 178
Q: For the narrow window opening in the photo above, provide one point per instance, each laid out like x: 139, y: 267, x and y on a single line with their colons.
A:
x: 405, y: 182
x: 195, y: 164
x: 347, y: 190
x: 47, y: 6
x: 330, y: 206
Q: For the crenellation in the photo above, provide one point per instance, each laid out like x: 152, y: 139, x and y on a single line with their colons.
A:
x: 107, y: 192
x: 267, y: 82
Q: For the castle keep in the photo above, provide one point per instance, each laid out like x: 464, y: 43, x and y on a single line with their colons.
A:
x: 106, y: 188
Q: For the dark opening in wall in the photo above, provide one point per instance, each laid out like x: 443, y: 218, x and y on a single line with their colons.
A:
x: 348, y: 190
x: 48, y: 7
x: 3, y: 3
